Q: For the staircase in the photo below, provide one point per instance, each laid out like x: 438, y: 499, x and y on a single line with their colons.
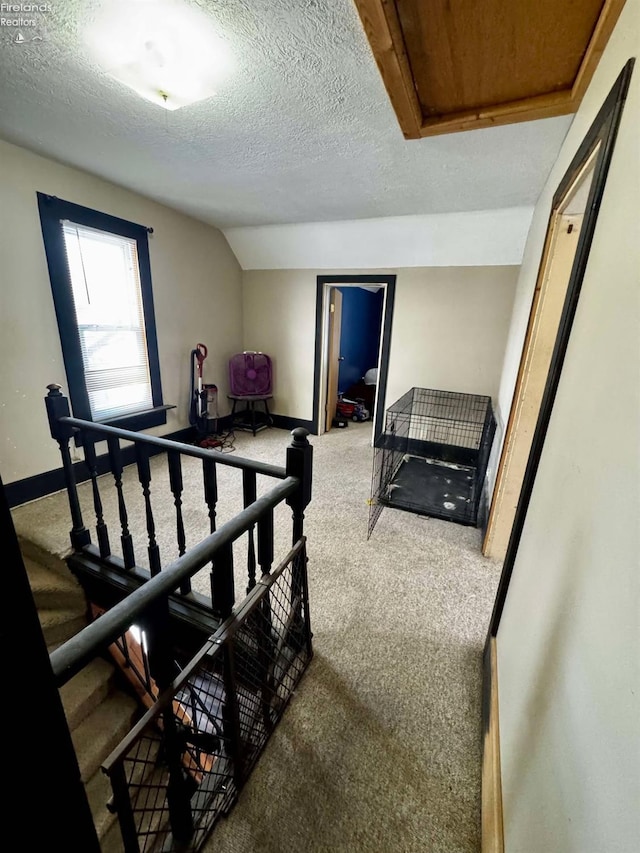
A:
x: 169, y: 773
x: 99, y: 709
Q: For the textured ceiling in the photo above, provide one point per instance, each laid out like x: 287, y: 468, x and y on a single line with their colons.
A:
x: 302, y: 130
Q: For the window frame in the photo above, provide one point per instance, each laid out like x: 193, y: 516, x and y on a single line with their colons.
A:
x: 52, y: 211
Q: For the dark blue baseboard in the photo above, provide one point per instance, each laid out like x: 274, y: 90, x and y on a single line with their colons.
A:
x: 40, y: 485
x: 278, y: 421
x: 31, y: 488
x: 285, y: 422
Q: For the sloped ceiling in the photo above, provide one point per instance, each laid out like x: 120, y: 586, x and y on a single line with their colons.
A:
x: 302, y: 130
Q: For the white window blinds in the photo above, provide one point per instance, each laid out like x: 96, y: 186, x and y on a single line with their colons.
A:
x: 105, y: 280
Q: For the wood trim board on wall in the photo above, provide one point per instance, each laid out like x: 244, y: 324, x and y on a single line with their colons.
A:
x: 542, y: 329
x: 492, y: 820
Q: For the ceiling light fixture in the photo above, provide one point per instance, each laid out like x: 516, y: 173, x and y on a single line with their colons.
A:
x: 166, y: 51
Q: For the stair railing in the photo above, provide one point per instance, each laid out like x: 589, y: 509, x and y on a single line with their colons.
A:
x: 148, y: 604
x: 228, y: 700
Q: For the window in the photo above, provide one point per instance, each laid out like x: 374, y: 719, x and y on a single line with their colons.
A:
x: 101, y: 283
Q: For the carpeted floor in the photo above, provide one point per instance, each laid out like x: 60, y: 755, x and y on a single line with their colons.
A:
x: 380, y: 749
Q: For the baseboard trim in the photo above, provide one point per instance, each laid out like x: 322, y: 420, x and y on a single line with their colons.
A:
x: 40, y: 485
x: 492, y: 823
x: 285, y: 422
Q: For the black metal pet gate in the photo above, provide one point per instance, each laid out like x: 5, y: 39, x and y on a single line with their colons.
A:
x: 431, y: 458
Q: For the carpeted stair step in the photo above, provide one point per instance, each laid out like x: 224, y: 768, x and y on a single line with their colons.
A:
x: 59, y: 598
x: 44, y: 557
x: 111, y: 841
x: 51, y: 589
x: 147, y: 777
x: 60, y: 625
x: 102, y: 730
x: 99, y: 792
x: 86, y: 690
x: 98, y: 717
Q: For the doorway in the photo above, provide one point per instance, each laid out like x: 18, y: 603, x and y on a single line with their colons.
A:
x: 592, y: 163
x: 353, y: 334
x: 565, y: 228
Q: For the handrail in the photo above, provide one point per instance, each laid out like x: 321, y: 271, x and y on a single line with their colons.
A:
x: 68, y: 659
x: 168, y: 444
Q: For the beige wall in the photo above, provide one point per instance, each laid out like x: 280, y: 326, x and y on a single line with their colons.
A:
x: 449, y: 329
x: 197, y: 297
x: 279, y: 319
x: 569, y: 640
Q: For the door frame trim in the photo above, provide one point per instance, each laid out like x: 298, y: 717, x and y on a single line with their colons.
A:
x: 389, y: 283
x: 491, y: 814
x: 548, y: 284
x: 602, y: 132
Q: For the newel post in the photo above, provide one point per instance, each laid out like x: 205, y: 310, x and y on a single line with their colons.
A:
x: 300, y: 465
x: 58, y: 407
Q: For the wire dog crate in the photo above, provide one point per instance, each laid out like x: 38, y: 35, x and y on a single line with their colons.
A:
x: 432, y: 457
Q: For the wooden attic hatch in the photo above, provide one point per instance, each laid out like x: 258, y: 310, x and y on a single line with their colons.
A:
x: 454, y: 65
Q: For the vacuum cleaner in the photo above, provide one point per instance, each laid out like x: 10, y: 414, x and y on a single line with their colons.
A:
x: 203, y: 408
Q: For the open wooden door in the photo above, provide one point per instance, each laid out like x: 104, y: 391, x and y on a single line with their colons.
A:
x: 542, y: 332
x: 333, y: 363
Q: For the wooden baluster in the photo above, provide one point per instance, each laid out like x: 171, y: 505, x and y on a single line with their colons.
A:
x: 265, y: 541
x: 175, y: 481
x: 101, y: 527
x: 308, y: 634
x: 300, y: 465
x: 264, y: 621
x: 265, y: 557
x: 58, y: 407
x: 148, y: 681
x: 144, y: 476
x: 250, y: 494
x: 115, y: 462
x: 210, y: 480
x: 222, y: 583
x: 124, y: 807
x: 157, y: 626
x: 231, y: 712
x: 265, y: 649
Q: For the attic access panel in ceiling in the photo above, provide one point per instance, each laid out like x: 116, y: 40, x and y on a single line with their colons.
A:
x: 451, y: 65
